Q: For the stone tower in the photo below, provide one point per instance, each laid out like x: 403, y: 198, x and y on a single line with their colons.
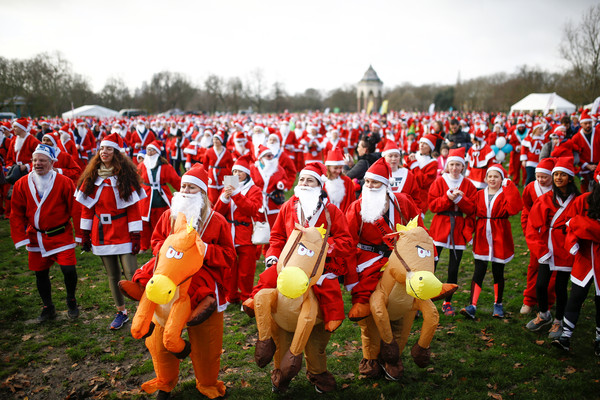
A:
x: 369, y: 88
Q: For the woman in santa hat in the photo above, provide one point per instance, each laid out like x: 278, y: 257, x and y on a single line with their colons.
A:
x: 218, y: 162
x: 452, y: 199
x: 546, y: 233
x: 493, y: 235
x: 207, y: 291
x: 240, y: 205
x: 424, y: 167
x: 531, y: 193
x: 157, y: 174
x: 479, y: 158
x: 583, y: 240
x: 110, y: 191
x: 402, y: 180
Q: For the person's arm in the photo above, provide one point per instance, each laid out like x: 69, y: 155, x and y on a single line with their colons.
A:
x: 358, y: 170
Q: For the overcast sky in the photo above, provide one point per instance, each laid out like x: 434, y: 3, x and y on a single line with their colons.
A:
x: 309, y: 44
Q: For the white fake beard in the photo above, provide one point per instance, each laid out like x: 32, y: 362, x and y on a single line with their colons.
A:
x: 65, y: 137
x: 240, y: 148
x: 270, y: 166
x: 190, y: 205
x: 19, y: 143
x: 42, y: 182
x: 335, y: 190
x: 274, y: 147
x: 205, y: 142
x: 258, y: 139
x: 373, y: 203
x: 309, y: 198
x: 150, y: 161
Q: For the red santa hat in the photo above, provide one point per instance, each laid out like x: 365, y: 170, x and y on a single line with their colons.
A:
x: 585, y: 116
x: 240, y: 137
x: 390, y: 147
x: 197, y: 176
x: 380, y: 171
x: 219, y: 135
x: 156, y: 146
x: 457, y: 155
x: 79, y: 122
x: 22, y: 123
x: 558, y: 133
x: 242, y: 164
x: 478, y: 135
x: 498, y: 168
x: 520, y: 122
x: 537, y: 125
x: 545, y: 166
x: 263, y: 151
x: 113, y: 140
x: 315, y: 169
x: 564, y: 164
x: 430, y: 140
x: 275, y: 134
x: 335, y: 157
x: 64, y: 129
x: 51, y: 137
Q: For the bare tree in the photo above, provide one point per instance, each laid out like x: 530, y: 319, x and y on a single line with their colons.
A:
x: 234, y: 91
x: 581, y: 47
x: 255, y: 89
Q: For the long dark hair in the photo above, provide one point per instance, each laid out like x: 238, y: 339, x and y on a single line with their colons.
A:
x: 571, y: 189
x: 593, y: 201
x: 128, y: 179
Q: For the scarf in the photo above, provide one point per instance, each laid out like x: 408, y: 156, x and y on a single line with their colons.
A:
x: 104, y: 172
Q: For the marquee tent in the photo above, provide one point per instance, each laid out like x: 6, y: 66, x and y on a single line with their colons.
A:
x: 543, y: 102
x: 90, y: 111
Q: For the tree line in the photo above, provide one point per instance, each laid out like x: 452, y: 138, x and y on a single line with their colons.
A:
x: 47, y: 85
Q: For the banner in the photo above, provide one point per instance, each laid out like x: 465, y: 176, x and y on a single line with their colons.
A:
x: 384, y: 108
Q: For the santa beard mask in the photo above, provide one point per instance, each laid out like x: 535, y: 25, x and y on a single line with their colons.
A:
x: 42, y: 182
x: 19, y: 143
x: 335, y: 190
x: 309, y: 198
x: 274, y: 147
x: 151, y: 161
x: 190, y: 205
x: 206, y: 141
x: 270, y: 166
x: 373, y: 203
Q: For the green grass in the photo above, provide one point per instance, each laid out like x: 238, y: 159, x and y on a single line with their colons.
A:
x: 485, y: 358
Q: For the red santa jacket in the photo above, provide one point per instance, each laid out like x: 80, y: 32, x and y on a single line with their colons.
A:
x: 531, y: 193
x: 290, y: 169
x: 493, y: 236
x: 530, y: 150
x: 66, y: 165
x: 546, y: 231
x: 313, y: 149
x: 137, y: 141
x: 175, y: 146
x: 341, y: 192
x: 217, y: 166
x: 85, y: 143
x: 240, y: 210
x: 583, y: 241
x: 340, y: 241
x: 424, y: 169
x: 110, y: 218
x: 43, y: 224
x: 24, y: 155
x: 404, y: 181
x: 367, y: 235
x: 478, y: 162
x: 165, y: 174
x: 219, y: 256
x: 268, y: 184
x: 462, y: 210
x: 589, y: 151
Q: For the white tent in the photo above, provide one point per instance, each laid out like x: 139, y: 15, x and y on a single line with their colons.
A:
x: 543, y: 102
x: 90, y: 111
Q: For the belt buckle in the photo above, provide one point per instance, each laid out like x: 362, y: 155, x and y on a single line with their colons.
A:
x: 105, y: 219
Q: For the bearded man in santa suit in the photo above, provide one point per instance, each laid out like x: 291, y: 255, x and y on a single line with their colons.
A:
x: 207, y: 291
x: 339, y: 187
x: 240, y: 146
x: 372, y: 216
x: 274, y: 143
x: 85, y: 142
x: 288, y: 141
x: 139, y: 138
x: 259, y: 138
x: 41, y: 220
x: 218, y: 162
x: 269, y: 177
x: 65, y: 164
x: 157, y: 174
x: 194, y: 152
x: 23, y: 146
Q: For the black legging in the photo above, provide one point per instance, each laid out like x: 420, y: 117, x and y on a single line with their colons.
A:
x: 453, y: 264
x: 573, y: 307
x: 541, y: 289
x: 42, y: 280
x: 479, y: 275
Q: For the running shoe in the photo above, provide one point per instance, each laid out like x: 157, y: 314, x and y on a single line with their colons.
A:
x: 469, y: 311
x: 562, y: 342
x: 538, y: 323
x: 448, y: 310
x: 498, y: 311
x: 48, y: 313
x: 555, y: 330
x: 119, y: 321
x: 525, y: 309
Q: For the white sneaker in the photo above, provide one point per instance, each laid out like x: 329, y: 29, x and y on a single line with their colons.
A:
x: 525, y: 309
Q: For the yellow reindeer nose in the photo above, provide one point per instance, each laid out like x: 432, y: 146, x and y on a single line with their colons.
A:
x: 292, y: 282
x: 423, y: 285
x: 160, y: 289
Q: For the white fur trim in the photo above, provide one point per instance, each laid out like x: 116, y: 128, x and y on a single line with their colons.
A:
x: 193, y: 180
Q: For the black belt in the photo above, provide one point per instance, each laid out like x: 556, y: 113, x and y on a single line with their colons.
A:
x: 382, y: 249
x: 101, y: 230
x: 452, y: 213
x: 236, y: 222
x: 57, y: 230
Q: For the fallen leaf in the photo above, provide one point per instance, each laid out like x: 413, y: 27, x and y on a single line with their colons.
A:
x: 518, y: 365
x: 375, y: 385
x: 496, y: 396
x: 245, y: 384
x: 449, y: 374
x: 25, y: 338
x: 539, y: 342
x: 46, y: 370
x: 570, y: 370
x: 462, y: 360
x: 345, y: 386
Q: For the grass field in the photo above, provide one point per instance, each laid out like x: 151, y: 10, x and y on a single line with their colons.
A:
x: 485, y: 358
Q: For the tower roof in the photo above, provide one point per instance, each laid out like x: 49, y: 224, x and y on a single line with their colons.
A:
x: 371, y: 76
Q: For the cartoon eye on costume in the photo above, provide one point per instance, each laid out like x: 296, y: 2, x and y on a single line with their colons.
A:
x: 172, y: 253
x: 422, y: 252
x: 303, y: 251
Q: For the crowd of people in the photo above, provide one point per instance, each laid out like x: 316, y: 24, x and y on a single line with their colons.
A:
x: 107, y: 185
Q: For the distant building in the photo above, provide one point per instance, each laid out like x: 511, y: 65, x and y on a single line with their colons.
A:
x: 370, y: 88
